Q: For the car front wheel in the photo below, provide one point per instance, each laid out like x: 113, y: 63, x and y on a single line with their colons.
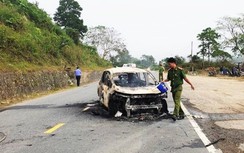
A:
x: 112, y: 108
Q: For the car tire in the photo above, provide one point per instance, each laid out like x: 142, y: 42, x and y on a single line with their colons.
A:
x: 112, y: 108
x: 165, y: 106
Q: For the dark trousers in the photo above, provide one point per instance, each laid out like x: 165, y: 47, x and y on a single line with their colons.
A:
x: 78, y: 80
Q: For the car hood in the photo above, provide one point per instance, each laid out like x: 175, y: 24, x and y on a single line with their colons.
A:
x: 138, y: 90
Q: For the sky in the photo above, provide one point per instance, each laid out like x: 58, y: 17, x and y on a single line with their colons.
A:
x: 161, y: 28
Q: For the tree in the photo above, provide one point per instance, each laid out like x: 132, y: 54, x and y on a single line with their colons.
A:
x: 208, y: 38
x: 180, y: 60
x: 147, y: 61
x: 221, y: 55
x: 68, y: 16
x: 107, y: 41
x: 232, y: 29
x: 121, y: 58
x: 195, y: 59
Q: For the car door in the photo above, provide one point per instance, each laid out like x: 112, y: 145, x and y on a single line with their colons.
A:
x: 104, y: 88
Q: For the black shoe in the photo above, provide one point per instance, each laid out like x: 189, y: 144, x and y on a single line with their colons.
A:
x: 171, y: 116
x: 174, y: 118
x: 181, y: 117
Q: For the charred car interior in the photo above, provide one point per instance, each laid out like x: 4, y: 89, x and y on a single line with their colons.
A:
x: 129, y: 91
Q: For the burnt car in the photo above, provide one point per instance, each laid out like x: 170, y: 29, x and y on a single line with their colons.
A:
x: 130, y: 90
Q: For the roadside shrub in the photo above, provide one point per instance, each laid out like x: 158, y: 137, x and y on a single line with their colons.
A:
x: 56, y: 29
x: 29, y: 38
x: 4, y: 31
x: 10, y: 18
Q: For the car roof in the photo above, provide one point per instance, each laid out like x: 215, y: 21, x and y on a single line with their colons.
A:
x: 126, y: 70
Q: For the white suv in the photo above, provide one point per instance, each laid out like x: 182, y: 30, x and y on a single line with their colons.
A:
x: 130, y: 90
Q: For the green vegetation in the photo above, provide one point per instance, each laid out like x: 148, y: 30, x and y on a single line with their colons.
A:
x: 232, y: 29
x: 112, y: 47
x: 209, y: 44
x: 220, y: 45
x: 106, y: 40
x: 29, y: 40
x: 68, y: 16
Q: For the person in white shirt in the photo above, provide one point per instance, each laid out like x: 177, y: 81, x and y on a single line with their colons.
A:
x: 78, y: 75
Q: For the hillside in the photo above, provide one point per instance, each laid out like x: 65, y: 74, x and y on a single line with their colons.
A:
x: 29, y: 40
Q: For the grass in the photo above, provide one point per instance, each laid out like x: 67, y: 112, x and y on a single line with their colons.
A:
x: 30, y: 41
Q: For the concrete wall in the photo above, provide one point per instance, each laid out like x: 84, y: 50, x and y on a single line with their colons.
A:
x: 17, y: 85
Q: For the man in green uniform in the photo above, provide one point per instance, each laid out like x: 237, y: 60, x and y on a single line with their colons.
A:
x: 161, y: 72
x: 176, y: 76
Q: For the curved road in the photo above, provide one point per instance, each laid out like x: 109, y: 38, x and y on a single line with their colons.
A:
x: 56, y: 124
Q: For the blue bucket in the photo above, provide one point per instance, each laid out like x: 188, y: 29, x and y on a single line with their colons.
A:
x: 162, y: 87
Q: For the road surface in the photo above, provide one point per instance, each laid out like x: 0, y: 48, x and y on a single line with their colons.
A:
x: 56, y: 124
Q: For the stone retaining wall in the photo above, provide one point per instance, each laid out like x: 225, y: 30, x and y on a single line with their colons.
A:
x: 17, y: 85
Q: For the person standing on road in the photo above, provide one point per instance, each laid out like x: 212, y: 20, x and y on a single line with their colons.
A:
x: 161, y: 72
x: 78, y: 75
x: 176, y: 77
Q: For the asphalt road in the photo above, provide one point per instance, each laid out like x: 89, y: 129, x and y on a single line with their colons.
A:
x: 26, y: 125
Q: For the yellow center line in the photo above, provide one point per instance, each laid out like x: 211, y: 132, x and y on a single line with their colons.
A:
x: 51, y: 130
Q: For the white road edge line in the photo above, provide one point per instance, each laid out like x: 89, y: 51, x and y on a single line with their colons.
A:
x: 198, y: 130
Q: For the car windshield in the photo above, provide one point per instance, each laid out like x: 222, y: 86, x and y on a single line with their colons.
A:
x: 136, y: 79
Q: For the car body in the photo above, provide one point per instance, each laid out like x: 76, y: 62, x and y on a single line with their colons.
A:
x: 128, y: 89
